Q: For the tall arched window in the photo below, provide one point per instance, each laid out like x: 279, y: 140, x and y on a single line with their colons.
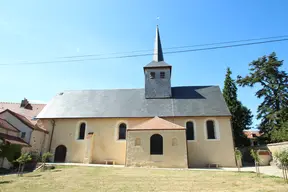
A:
x: 190, y: 130
x: 81, y: 134
x: 122, y: 131
x: 210, y: 127
x: 156, y: 144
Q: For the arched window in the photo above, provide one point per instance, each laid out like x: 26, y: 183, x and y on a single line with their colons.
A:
x: 174, y: 142
x: 156, y: 144
x: 210, y: 127
x: 122, y: 131
x: 190, y: 130
x: 137, y: 142
x: 81, y: 134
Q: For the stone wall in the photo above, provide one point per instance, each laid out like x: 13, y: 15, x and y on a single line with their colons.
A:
x: 273, y: 147
x: 174, y: 149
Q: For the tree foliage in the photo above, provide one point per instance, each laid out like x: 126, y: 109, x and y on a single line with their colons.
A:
x: 22, y: 160
x: 45, y: 157
x: 241, y: 115
x: 273, y: 82
x: 10, y: 151
x: 282, y: 157
x: 257, y: 160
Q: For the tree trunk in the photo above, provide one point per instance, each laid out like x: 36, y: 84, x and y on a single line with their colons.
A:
x: 19, y: 169
x: 43, y: 166
x: 22, y: 169
x: 284, y: 171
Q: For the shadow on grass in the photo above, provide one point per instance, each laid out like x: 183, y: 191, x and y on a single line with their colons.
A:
x: 56, y: 170
x: 5, y: 182
x: 33, y: 175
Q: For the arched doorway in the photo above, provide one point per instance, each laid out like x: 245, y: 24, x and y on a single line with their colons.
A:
x: 156, y: 144
x: 60, y: 154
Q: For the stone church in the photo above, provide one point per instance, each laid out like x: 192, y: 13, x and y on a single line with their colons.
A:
x: 159, y: 125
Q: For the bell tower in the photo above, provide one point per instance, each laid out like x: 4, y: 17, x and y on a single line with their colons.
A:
x: 157, y: 73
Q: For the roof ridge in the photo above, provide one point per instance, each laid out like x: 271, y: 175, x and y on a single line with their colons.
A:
x: 102, y: 89
x: 7, y: 102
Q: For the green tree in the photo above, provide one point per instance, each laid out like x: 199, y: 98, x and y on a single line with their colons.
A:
x: 238, y: 156
x: 22, y: 160
x: 282, y: 157
x: 45, y: 157
x: 241, y: 115
x: 256, y: 158
x: 273, y: 82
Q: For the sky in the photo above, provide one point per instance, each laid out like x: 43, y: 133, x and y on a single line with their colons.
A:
x: 37, y: 31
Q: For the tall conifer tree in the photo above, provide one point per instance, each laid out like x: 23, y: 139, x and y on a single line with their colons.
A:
x: 241, y: 115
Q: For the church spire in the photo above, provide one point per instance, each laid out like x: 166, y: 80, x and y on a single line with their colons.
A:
x: 158, y: 54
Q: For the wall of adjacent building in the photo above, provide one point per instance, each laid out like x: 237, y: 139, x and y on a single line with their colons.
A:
x: 200, y: 152
x: 37, y: 141
x: 273, y: 147
x: 18, y: 124
x: 12, y: 133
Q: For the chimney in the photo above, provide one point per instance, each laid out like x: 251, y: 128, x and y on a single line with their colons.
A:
x: 25, y: 104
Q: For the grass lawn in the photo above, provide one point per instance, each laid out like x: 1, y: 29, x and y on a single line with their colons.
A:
x: 70, y: 179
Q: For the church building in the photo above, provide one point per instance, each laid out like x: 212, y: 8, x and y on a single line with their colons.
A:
x: 157, y: 126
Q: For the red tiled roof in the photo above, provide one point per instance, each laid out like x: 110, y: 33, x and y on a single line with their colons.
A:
x: 249, y: 134
x: 6, y: 125
x: 27, y: 116
x: 13, y: 140
x: 157, y: 123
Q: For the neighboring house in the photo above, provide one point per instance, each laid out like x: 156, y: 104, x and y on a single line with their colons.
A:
x: 159, y: 125
x: 9, y: 135
x: 253, y: 137
x: 22, y: 116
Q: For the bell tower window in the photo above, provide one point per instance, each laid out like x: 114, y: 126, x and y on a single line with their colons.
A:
x: 152, y: 75
x: 162, y: 75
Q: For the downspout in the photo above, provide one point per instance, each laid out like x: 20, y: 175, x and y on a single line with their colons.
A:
x: 53, y: 127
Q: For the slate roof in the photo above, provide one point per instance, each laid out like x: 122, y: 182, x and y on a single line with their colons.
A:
x: 156, y: 123
x: 154, y: 64
x: 185, y: 101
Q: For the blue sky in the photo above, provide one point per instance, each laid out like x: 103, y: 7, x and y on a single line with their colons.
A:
x: 44, y: 30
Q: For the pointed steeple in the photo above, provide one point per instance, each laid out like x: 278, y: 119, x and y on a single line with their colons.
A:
x: 158, y: 74
x: 158, y: 54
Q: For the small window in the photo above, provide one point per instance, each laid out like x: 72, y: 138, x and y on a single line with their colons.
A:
x: 137, y: 142
x: 174, y: 142
x: 122, y: 131
x: 210, y: 126
x: 152, y: 75
x: 190, y: 130
x: 23, y: 134
x: 162, y: 75
x: 82, y: 128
